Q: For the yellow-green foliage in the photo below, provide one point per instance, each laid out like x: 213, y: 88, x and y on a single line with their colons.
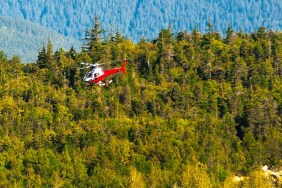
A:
x: 192, y: 110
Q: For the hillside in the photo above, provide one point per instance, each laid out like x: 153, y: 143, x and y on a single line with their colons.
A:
x: 25, y: 39
x: 138, y: 18
x: 193, y: 110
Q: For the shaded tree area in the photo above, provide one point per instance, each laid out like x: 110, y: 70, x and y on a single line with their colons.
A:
x: 193, y: 110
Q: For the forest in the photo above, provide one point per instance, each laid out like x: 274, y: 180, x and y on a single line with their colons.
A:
x: 138, y: 18
x: 24, y: 38
x: 194, y: 110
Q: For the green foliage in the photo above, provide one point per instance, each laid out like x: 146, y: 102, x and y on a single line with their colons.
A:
x: 191, y: 111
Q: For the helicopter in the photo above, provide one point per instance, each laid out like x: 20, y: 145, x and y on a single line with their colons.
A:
x: 97, y: 74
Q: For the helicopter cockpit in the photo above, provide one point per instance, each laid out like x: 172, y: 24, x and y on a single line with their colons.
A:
x: 93, y: 74
x: 90, y: 75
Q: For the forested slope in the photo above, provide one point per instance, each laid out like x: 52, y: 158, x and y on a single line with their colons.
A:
x: 138, y: 18
x: 193, y: 110
x: 24, y: 38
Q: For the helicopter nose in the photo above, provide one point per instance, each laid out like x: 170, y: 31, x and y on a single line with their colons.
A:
x: 86, y: 79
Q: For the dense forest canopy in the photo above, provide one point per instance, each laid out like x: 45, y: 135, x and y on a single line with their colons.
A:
x: 139, y: 18
x: 193, y: 110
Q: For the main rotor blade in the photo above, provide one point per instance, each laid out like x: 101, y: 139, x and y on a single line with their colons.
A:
x: 86, y: 64
x: 108, y: 62
x: 86, y: 67
x: 98, y: 63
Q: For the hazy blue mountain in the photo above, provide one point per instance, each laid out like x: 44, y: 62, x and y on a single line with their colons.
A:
x: 137, y: 18
x: 25, y: 39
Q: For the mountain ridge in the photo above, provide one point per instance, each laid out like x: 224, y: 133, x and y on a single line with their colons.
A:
x: 137, y: 18
x: 25, y: 39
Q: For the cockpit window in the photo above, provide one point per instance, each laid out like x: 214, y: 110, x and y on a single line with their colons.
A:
x: 89, y: 75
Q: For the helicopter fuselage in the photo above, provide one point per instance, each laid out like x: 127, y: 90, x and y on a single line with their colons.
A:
x: 94, y: 74
x: 98, y: 74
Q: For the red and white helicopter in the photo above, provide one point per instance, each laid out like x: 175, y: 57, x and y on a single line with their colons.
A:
x: 97, y: 74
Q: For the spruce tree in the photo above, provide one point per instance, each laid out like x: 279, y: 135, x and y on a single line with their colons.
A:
x: 94, y: 41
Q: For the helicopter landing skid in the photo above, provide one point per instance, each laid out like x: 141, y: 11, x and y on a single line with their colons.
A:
x: 105, y: 83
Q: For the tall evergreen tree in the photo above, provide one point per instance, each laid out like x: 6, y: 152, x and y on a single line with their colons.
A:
x: 165, y: 49
x: 229, y: 34
x: 42, y: 58
x: 94, y: 41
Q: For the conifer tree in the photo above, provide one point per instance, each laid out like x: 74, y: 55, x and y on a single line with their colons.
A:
x: 165, y: 49
x: 42, y: 58
x: 94, y: 41
x: 229, y: 34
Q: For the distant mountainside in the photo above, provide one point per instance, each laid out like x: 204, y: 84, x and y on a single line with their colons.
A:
x: 25, y: 39
x: 138, y: 18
